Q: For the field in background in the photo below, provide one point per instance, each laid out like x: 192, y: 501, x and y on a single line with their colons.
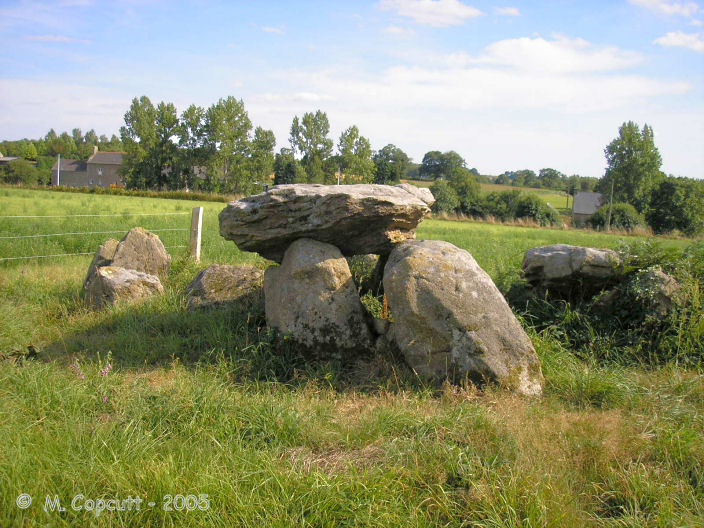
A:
x: 197, y: 404
x: 559, y: 200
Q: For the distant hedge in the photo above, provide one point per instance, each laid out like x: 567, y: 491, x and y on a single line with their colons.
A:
x: 623, y: 216
x: 119, y: 191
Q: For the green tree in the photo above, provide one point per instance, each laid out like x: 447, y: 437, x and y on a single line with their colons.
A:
x: 229, y: 127
x: 633, y: 166
x: 677, y: 203
x: 525, y: 178
x: 440, y: 165
x: 393, y: 163
x: 446, y: 199
x: 19, y: 171
x: 431, y: 166
x: 29, y: 151
x: 467, y: 188
x: 503, y: 179
x: 551, y: 179
x: 165, y: 150
x: 194, y: 147
x: 262, y: 154
x: 287, y: 169
x: 139, y: 137
x: 309, y: 136
x: 355, y: 155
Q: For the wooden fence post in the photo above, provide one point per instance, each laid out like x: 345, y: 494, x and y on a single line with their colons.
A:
x: 196, y: 228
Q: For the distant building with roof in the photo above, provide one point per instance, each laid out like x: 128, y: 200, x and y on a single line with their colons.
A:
x: 5, y: 160
x: 101, y: 169
x: 584, y: 205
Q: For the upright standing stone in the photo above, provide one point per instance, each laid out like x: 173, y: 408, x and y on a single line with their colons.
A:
x: 450, y: 320
x: 103, y: 257
x: 312, y: 296
x: 142, y: 251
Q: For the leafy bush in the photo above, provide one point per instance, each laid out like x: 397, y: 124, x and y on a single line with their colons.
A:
x: 624, y: 325
x: 19, y: 171
x: 446, y: 199
x: 677, y: 203
x: 531, y: 206
x: 623, y: 216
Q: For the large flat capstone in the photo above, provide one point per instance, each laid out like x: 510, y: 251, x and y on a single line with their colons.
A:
x: 358, y: 219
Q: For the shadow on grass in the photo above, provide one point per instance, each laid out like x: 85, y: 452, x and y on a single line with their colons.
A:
x: 232, y: 337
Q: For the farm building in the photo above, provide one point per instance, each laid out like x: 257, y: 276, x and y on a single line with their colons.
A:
x: 5, y: 160
x: 584, y: 205
x: 101, y: 170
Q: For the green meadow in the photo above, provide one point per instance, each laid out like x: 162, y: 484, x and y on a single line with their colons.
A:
x: 208, y: 403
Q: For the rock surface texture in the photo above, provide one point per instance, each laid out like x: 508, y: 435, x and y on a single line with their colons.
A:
x: 222, y: 284
x: 562, y: 268
x: 312, y: 296
x: 450, y: 320
x: 126, y: 269
x: 358, y: 219
x: 103, y: 257
x: 110, y: 284
x: 142, y: 251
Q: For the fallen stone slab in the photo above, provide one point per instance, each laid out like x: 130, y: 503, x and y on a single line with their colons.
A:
x: 111, y: 284
x: 451, y: 321
x: 312, y: 297
x: 564, y: 269
x: 357, y: 219
x: 219, y: 284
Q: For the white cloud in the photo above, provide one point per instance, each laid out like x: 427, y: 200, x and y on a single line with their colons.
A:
x: 498, y: 110
x: 40, y: 105
x: 668, y: 7
x: 269, y: 29
x: 436, y: 13
x: 695, y: 22
x: 679, y: 39
x: 55, y: 38
x: 560, y: 55
x: 399, y: 31
x: 507, y: 11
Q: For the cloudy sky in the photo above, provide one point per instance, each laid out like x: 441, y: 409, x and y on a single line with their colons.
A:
x: 508, y: 85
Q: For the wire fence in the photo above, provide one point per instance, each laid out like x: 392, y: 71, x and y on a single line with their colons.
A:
x: 42, y: 242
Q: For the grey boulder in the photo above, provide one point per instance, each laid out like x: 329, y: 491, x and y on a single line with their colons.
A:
x: 143, y: 251
x: 221, y: 284
x: 110, y: 284
x: 563, y: 268
x: 451, y: 321
x: 358, y: 219
x: 312, y: 297
x: 103, y: 257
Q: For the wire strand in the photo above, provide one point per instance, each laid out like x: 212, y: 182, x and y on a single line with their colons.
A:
x: 68, y: 254
x: 93, y: 215
x: 86, y: 233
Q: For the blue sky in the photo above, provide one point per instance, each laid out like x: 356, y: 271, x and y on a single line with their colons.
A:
x: 508, y: 85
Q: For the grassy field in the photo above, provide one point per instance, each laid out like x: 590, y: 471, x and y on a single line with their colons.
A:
x: 559, y: 200
x: 198, y: 403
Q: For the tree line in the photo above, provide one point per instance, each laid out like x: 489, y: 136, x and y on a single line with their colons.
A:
x: 218, y: 149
